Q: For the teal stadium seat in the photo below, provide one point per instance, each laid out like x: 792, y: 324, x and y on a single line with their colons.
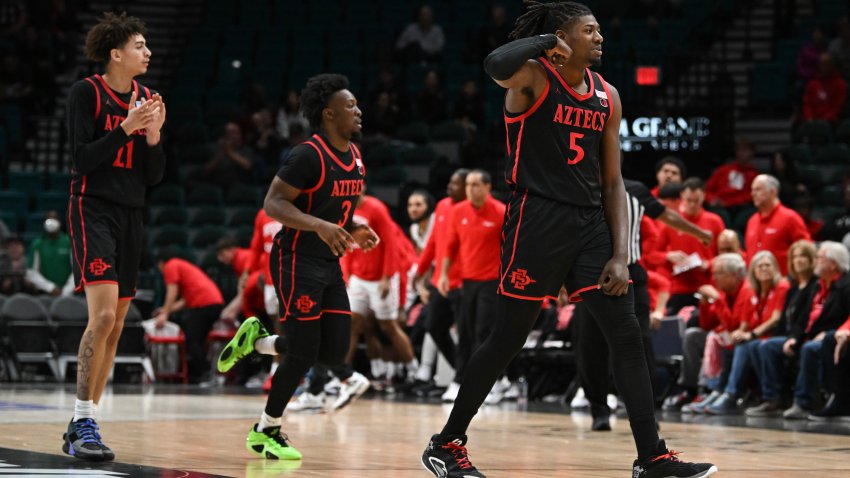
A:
x: 814, y: 133
x: 243, y: 216
x: 170, y: 215
x: 27, y: 181
x: 207, y: 216
x: 205, y: 195
x: 168, y: 195
x: 169, y: 236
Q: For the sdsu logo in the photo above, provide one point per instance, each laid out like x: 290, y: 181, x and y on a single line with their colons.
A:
x: 520, y: 279
x: 97, y: 267
x: 305, y: 304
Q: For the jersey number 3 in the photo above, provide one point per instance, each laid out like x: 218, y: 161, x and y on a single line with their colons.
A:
x: 575, y: 147
x: 122, y: 161
x: 346, y: 210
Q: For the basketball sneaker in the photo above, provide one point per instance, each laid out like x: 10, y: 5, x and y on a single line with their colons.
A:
x: 242, y: 344
x: 307, y: 402
x: 271, y: 444
x: 667, y: 465
x: 108, y: 454
x: 82, y: 441
x: 449, y: 459
x: 351, y: 389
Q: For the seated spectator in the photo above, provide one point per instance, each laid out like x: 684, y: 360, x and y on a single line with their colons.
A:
x: 839, y: 47
x: 825, y: 94
x: 836, y: 374
x: 494, y: 34
x: 773, y: 227
x: 384, y: 116
x: 15, y: 277
x: 801, y: 269
x: 431, y: 101
x: 669, y: 169
x: 807, y: 59
x: 785, y: 172
x: 469, y: 107
x: 804, y: 207
x: 50, y: 254
x: 202, y: 301
x: 289, y: 114
x: 770, y: 290
x: 422, y: 40
x: 265, y: 140
x: 728, y: 241
x: 721, y: 311
x: 838, y: 225
x: 729, y: 185
x: 233, y: 162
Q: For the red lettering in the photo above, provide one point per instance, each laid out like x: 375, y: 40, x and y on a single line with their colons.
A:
x: 588, y: 118
x: 336, y: 189
x: 577, y: 121
x: 559, y: 117
x: 569, y: 111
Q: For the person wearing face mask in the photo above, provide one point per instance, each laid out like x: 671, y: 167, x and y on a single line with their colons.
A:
x: 50, y: 254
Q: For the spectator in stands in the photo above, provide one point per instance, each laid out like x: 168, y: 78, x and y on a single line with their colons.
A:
x: 290, y: 114
x: 50, y: 254
x: 803, y: 205
x: 828, y: 310
x: 16, y: 277
x: 839, y: 47
x: 233, y: 162
x: 384, y: 116
x: 469, y: 107
x: 422, y: 40
x: 836, y: 374
x: 687, y: 258
x: 825, y: 94
x: 420, y: 211
x: 729, y: 185
x: 728, y: 241
x: 784, y: 170
x: 770, y: 290
x: 801, y: 269
x: 807, y: 59
x: 202, y: 301
x: 838, y: 226
x: 265, y: 141
x: 431, y: 103
x: 15, y: 80
x: 773, y: 227
x: 669, y: 169
x: 494, y: 34
x: 722, y: 308
x: 248, y: 300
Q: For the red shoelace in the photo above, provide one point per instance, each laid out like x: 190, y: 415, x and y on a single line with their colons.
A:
x: 460, y: 454
x: 670, y: 455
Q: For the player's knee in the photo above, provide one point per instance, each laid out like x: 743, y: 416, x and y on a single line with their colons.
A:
x: 302, y: 357
x: 332, y: 356
x: 103, y: 321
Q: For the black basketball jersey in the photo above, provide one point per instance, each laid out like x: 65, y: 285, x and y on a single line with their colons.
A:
x: 117, y: 172
x: 553, y: 148
x: 330, y: 182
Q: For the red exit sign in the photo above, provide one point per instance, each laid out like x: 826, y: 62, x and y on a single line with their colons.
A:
x: 648, y: 75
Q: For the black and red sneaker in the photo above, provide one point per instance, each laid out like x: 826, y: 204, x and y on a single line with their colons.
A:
x: 448, y: 458
x: 667, y: 465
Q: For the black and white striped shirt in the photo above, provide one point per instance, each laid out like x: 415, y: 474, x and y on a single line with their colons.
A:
x: 639, y: 201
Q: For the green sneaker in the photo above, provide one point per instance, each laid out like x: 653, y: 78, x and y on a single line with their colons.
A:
x: 271, y: 444
x: 242, y: 344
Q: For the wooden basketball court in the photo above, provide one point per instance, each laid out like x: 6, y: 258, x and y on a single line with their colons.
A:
x: 184, y: 434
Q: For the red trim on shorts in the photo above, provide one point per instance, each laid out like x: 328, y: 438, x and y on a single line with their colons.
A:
x: 97, y: 94
x: 530, y: 111
x: 525, y: 297
x: 576, y: 296
x: 340, y: 312
x: 291, y: 285
x: 322, y: 176
x: 513, y: 251
x: 347, y: 168
x: 569, y: 89
x: 73, y: 240
x: 83, y: 229
x: 127, y: 298
x: 112, y: 93
x: 97, y: 282
x: 516, y: 156
x: 315, y: 317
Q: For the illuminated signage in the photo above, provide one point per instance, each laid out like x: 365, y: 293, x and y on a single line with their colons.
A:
x: 664, y: 133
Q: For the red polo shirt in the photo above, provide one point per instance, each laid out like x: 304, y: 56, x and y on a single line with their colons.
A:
x: 670, y: 239
x: 475, y: 238
x: 383, y: 260
x: 435, y: 248
x: 727, y: 312
x: 196, y: 288
x: 766, y: 306
x: 775, y: 232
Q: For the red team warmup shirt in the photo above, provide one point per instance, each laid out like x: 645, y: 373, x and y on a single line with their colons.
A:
x: 730, y: 184
x: 242, y: 260
x: 265, y: 228
x: 382, y: 261
x: 775, y: 232
x: 670, y: 239
x: 435, y: 249
x: 727, y: 312
x: 475, y: 235
x: 196, y: 288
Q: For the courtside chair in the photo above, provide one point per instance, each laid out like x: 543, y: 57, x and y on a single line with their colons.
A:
x: 30, y: 331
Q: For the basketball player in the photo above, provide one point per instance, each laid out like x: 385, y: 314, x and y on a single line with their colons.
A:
x: 114, y: 127
x: 313, y: 196
x: 565, y: 224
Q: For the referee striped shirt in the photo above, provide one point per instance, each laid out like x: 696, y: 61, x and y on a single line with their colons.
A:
x: 639, y: 201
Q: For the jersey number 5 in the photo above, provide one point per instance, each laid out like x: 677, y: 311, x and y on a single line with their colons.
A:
x: 346, y: 210
x: 120, y: 161
x: 575, y: 147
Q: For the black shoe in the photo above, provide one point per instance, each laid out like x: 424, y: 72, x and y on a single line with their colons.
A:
x: 449, y: 459
x: 601, y: 424
x: 82, y: 441
x: 667, y: 465
x: 108, y: 454
x: 834, y: 409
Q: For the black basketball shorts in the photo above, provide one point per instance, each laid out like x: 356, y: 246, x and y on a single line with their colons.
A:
x: 107, y: 241
x: 307, y: 286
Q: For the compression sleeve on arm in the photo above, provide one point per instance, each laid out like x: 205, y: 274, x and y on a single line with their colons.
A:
x: 506, y: 60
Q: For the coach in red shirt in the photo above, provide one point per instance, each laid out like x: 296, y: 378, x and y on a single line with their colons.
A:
x: 202, y: 301
x: 773, y: 227
x: 474, y: 232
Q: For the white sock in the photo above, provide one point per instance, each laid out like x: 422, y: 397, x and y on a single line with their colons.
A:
x: 412, y: 367
x: 379, y: 368
x: 83, y: 409
x: 265, y: 345
x: 96, y: 408
x: 429, y: 357
x: 267, y: 421
x: 274, y: 368
x: 391, y: 368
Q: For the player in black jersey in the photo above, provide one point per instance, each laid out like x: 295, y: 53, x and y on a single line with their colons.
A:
x: 565, y: 224
x: 114, y: 129
x: 313, y: 196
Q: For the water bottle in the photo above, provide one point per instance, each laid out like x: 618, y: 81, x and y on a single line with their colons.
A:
x: 522, y: 399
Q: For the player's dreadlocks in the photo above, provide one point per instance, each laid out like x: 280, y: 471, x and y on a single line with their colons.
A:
x: 315, y: 96
x: 112, y: 31
x: 542, y: 18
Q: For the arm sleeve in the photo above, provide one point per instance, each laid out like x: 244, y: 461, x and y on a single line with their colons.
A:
x: 506, y: 60
x: 302, y: 169
x: 88, y: 153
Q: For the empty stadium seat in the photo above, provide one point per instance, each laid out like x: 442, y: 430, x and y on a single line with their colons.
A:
x: 30, y: 331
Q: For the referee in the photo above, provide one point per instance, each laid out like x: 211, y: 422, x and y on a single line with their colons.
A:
x: 591, y: 348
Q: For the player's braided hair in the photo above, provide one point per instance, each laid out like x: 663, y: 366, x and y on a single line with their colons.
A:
x: 541, y: 18
x: 315, y: 96
x: 111, y: 31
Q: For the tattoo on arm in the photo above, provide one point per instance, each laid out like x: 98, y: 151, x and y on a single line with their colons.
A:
x: 84, y: 359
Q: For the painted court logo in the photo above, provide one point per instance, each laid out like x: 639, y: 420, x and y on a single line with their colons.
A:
x: 520, y: 279
x: 305, y: 304
x: 98, y: 267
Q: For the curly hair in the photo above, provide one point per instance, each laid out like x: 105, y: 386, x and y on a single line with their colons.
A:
x: 317, y: 93
x: 542, y: 18
x: 112, y: 31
